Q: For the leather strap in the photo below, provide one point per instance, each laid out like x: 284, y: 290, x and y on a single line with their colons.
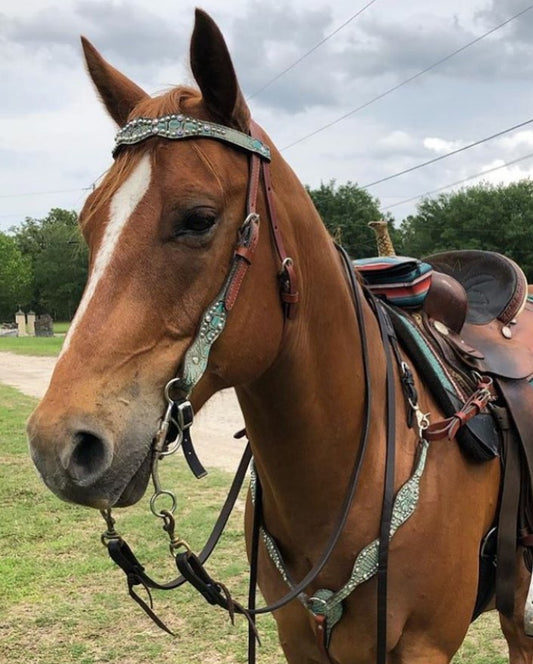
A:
x: 253, y: 183
x: 321, y: 638
x: 124, y: 557
x: 242, y: 258
x: 387, y: 332
x: 287, y: 275
x: 361, y: 451
x: 507, y: 520
x: 517, y: 478
x: 191, y: 457
x: 449, y: 427
x: 254, y: 568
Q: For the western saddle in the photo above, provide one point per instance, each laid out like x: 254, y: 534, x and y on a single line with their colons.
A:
x: 478, y: 316
x: 476, y: 320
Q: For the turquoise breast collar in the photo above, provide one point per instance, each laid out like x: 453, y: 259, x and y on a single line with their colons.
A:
x: 178, y: 126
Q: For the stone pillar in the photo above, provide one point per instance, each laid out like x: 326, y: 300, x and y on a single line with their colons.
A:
x: 31, y: 323
x: 20, y: 318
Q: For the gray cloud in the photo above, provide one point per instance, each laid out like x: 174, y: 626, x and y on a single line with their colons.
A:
x: 124, y: 31
x: 376, y: 53
x: 266, y: 39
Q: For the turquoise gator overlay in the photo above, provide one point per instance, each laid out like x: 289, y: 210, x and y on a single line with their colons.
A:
x: 326, y: 602
x: 197, y: 355
x: 176, y: 127
x: 366, y: 563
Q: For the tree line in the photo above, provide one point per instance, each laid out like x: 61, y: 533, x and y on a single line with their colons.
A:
x: 43, y: 262
x: 43, y: 266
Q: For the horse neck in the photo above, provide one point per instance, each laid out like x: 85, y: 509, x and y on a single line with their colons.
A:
x: 304, y: 416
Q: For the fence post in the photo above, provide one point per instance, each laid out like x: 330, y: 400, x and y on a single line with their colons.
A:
x: 31, y: 323
x: 20, y: 318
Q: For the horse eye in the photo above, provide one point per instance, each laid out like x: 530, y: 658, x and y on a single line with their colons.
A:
x: 197, y: 222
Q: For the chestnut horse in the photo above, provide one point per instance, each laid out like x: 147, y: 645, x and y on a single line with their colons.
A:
x: 162, y: 230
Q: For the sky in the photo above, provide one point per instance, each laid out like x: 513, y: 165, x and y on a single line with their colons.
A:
x: 56, y: 138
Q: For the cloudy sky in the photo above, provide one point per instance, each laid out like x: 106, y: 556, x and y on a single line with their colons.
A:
x: 55, y: 137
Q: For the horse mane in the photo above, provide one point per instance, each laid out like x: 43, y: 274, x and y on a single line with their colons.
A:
x: 180, y: 99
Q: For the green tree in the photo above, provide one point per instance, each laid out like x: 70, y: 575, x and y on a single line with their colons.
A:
x: 346, y: 210
x: 15, y: 278
x: 491, y: 217
x: 58, y: 255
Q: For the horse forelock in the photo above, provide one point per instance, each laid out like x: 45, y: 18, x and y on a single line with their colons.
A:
x: 180, y: 99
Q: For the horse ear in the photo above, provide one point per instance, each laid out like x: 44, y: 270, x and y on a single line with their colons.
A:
x: 119, y: 94
x: 213, y: 70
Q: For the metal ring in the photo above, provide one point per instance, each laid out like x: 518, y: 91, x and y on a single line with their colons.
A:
x: 168, y: 387
x: 316, y: 600
x: 158, y: 494
x: 174, y: 445
x: 287, y: 261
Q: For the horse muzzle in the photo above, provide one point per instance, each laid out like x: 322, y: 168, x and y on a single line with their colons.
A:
x: 83, y: 463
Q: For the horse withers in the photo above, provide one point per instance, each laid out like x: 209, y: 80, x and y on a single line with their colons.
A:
x: 209, y: 261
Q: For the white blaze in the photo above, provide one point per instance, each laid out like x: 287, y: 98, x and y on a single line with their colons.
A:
x: 123, y: 205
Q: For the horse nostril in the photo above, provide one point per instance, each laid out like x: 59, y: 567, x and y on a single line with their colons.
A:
x: 91, y: 457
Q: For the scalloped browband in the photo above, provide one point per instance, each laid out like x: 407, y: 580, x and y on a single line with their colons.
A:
x: 179, y: 126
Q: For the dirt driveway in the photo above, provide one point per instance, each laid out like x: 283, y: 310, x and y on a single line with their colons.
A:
x: 212, y: 431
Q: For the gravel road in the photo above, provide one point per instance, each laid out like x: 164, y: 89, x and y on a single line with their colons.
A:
x: 212, y: 431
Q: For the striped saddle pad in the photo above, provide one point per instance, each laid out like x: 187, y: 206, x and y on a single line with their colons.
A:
x: 400, y: 280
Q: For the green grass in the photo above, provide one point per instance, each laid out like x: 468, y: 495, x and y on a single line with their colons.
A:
x: 61, y: 326
x: 32, y: 345
x: 64, y: 601
x: 49, y: 346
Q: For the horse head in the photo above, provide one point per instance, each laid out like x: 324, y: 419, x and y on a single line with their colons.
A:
x: 162, y: 228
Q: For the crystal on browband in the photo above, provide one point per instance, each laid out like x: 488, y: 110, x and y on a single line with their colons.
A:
x: 180, y: 126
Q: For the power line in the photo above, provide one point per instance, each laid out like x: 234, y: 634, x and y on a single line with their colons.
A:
x: 45, y: 193
x: 406, y: 81
x: 448, y: 154
x: 315, y: 47
x: 458, y: 182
